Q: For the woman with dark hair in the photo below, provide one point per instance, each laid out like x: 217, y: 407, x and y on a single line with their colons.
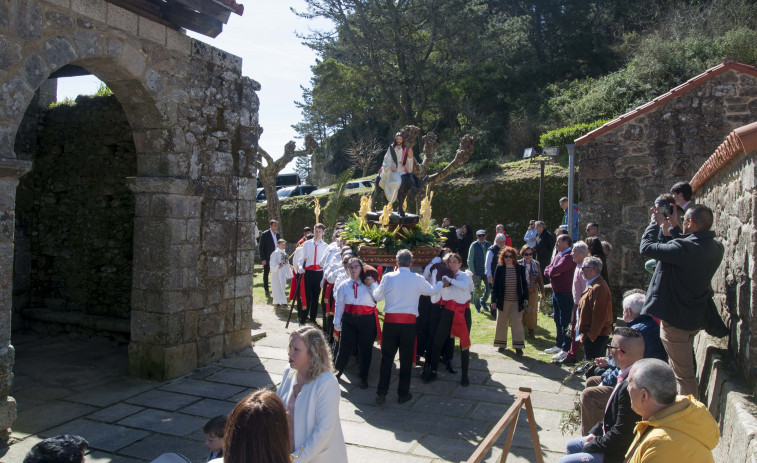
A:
x: 257, y: 431
x: 356, y: 318
x: 597, y: 250
x: 454, y: 318
x: 463, y: 244
x: 535, y: 287
x: 311, y: 394
x: 509, y: 294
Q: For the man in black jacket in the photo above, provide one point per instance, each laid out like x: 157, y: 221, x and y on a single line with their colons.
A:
x: 610, y: 438
x: 268, y: 241
x: 545, y: 244
x: 680, y: 290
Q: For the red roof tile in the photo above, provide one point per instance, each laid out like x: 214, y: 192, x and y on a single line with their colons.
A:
x: 664, y: 98
x: 741, y: 141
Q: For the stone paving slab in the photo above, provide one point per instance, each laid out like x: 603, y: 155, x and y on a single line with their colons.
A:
x: 115, y: 412
x: 114, y: 391
x: 175, y: 424
x: 445, y: 406
x: 256, y: 379
x: 163, y: 400
x: 536, y: 383
x: 157, y: 444
x: 366, y: 435
x: 240, y: 362
x: 36, y: 420
x: 203, y: 388
x: 209, y: 408
x: 101, y: 436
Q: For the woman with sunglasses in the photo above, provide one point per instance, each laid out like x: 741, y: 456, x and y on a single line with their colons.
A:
x: 535, y: 285
x: 509, y: 294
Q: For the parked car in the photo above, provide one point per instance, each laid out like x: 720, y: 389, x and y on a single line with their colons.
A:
x: 299, y: 190
x: 349, y: 186
x: 260, y: 195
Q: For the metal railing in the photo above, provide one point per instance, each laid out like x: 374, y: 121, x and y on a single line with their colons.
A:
x: 510, y: 418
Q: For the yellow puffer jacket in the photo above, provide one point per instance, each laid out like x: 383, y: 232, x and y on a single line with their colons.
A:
x: 684, y: 432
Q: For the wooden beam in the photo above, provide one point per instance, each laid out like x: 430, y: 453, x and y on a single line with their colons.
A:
x: 209, y: 8
x: 193, y: 20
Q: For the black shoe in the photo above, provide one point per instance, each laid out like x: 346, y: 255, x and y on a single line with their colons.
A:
x: 363, y: 383
x: 449, y: 366
x: 380, y: 399
x: 465, y: 381
x: 404, y: 398
x: 568, y: 361
x: 429, y: 377
x: 519, y: 352
x: 501, y: 350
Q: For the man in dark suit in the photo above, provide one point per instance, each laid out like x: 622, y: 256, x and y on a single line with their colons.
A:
x: 545, y: 244
x: 610, y: 438
x: 267, y: 244
x: 680, y: 291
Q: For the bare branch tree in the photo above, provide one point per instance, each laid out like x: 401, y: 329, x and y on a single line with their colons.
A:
x: 267, y: 174
x: 362, y: 152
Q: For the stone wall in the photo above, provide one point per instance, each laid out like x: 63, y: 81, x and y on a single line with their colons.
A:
x: 74, y: 213
x: 625, y: 169
x: 194, y: 124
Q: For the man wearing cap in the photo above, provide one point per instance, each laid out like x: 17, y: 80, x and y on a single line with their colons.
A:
x: 477, y: 265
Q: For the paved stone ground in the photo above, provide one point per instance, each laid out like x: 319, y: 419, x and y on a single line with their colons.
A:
x: 64, y: 385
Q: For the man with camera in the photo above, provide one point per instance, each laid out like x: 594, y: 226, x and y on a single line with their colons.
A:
x: 679, y: 292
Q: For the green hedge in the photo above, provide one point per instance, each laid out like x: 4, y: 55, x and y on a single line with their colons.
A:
x: 566, y: 135
x: 507, y: 194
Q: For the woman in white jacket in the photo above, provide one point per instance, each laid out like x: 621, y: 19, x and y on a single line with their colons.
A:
x: 310, y: 392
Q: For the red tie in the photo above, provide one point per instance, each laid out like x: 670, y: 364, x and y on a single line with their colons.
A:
x: 354, y: 286
x: 315, y: 254
x: 454, y: 277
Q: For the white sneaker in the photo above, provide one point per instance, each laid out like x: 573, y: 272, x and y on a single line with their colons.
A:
x: 553, y: 350
x: 560, y: 356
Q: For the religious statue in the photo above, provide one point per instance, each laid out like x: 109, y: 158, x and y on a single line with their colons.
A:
x: 396, y: 178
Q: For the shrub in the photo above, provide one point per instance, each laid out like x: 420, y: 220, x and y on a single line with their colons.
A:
x: 565, y: 135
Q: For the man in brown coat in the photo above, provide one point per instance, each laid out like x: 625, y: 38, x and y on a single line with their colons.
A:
x: 594, y: 310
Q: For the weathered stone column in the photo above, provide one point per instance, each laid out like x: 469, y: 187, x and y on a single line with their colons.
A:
x: 166, y: 294
x: 10, y: 171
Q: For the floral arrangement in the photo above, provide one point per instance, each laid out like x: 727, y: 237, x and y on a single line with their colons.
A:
x: 359, y: 232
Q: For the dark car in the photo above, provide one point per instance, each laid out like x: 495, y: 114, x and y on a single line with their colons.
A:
x: 260, y: 196
x: 299, y: 190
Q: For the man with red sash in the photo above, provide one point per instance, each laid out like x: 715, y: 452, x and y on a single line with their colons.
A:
x: 310, y: 263
x: 400, y: 290
x: 356, y: 318
x: 332, y: 256
x: 455, y: 318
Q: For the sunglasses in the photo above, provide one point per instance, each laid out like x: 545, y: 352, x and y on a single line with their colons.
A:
x: 508, y: 256
x: 525, y: 254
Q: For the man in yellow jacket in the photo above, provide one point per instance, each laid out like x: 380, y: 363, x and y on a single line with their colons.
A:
x: 672, y: 427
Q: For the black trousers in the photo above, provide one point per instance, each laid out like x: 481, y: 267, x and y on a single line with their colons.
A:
x: 357, y: 330
x: 423, y: 324
x: 312, y: 293
x: 266, y: 271
x: 443, y: 344
x: 596, y: 348
x: 448, y: 350
x: 396, y: 336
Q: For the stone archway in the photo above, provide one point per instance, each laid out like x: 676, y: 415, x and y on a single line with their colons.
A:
x: 194, y: 119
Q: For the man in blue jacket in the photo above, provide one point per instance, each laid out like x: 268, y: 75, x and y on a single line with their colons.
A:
x: 564, y: 205
x: 477, y: 265
x: 680, y: 290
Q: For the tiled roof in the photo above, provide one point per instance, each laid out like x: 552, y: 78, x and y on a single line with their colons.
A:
x: 741, y: 141
x: 664, y: 98
x: 235, y: 7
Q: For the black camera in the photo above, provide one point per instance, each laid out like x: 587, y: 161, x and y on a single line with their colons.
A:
x: 665, y: 208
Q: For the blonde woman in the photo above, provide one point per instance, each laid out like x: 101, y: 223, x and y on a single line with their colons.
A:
x: 310, y: 392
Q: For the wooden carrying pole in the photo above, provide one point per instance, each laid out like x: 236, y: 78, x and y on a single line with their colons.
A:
x: 510, y: 418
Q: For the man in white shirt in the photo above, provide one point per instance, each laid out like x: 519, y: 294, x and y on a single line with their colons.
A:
x: 400, y: 290
x: 310, y: 263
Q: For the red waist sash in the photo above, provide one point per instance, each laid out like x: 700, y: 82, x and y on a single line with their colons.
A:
x: 459, y: 327
x: 403, y: 318
x: 355, y: 309
x: 314, y: 267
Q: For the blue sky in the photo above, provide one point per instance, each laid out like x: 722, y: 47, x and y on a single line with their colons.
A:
x: 264, y: 37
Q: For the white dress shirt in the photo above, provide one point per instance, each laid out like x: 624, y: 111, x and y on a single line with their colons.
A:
x: 459, y: 289
x: 313, y: 253
x: 345, y: 294
x: 489, y: 257
x: 401, y: 290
